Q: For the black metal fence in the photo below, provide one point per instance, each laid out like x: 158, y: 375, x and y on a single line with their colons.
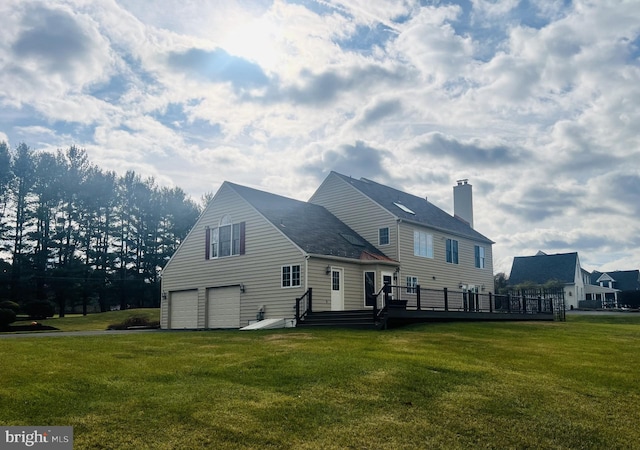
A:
x: 533, y: 301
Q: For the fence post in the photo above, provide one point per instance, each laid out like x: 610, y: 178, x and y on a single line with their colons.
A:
x: 539, y: 304
x: 490, y: 304
x: 509, y: 302
x: 446, y: 299
x: 387, y: 293
x: 418, y: 297
x: 297, y: 309
x: 310, y: 309
x: 524, y: 303
x: 375, y: 307
x: 464, y: 300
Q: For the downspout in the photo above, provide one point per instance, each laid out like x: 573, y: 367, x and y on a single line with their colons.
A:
x: 306, y: 272
x: 398, y: 243
x: 398, y: 250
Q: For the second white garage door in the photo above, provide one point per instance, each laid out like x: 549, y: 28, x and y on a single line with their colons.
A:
x: 224, y: 307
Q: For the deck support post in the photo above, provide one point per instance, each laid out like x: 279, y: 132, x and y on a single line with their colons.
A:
x: 446, y: 299
x: 490, y: 302
x: 418, y: 297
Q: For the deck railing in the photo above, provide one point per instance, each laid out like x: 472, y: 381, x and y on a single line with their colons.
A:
x: 380, y: 301
x: 304, y: 305
x: 424, y: 299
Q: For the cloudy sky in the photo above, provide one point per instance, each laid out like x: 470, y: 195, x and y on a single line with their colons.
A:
x: 536, y: 102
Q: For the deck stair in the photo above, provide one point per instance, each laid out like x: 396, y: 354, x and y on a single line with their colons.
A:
x: 340, y: 319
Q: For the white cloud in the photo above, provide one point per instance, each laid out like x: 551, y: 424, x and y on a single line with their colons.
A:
x: 535, y: 102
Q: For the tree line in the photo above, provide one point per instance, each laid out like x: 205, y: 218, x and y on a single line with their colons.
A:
x: 82, y: 237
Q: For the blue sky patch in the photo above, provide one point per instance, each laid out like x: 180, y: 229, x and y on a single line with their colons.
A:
x: 218, y: 66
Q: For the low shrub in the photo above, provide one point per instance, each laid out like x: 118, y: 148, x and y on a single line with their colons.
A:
x: 7, y: 316
x: 40, y: 309
x: 135, y: 321
x: 8, y: 304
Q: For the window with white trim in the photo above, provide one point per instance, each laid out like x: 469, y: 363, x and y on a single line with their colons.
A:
x: 412, y: 283
x: 290, y: 276
x: 383, y: 236
x: 479, y: 256
x: 225, y: 240
x: 452, y: 251
x: 422, y: 244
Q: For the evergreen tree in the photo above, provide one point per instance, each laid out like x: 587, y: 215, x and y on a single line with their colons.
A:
x: 23, y: 169
x: 6, y: 178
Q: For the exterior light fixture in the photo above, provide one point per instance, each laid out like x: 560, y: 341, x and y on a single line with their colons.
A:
x: 242, y: 288
x: 328, y: 270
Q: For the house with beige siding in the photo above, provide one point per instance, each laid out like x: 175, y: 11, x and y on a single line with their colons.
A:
x: 434, y: 249
x: 251, y: 253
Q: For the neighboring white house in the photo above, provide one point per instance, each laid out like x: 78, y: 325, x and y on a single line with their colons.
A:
x: 252, y: 253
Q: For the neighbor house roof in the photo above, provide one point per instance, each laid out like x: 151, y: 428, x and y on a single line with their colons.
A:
x: 311, y: 227
x: 542, y: 268
x: 412, y: 208
x: 625, y: 280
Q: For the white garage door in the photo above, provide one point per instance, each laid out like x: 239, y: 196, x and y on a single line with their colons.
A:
x: 224, y: 307
x: 184, y: 309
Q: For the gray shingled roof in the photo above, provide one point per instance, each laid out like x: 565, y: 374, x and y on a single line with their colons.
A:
x: 542, y: 268
x: 311, y: 227
x: 426, y: 213
x: 625, y: 280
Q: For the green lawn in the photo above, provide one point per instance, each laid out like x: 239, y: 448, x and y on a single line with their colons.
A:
x: 459, y: 385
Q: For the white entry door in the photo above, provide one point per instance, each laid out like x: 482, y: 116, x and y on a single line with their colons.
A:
x: 337, y: 289
x: 387, y: 277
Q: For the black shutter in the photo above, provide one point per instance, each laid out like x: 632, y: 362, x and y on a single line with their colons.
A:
x: 242, y: 233
x: 207, y: 243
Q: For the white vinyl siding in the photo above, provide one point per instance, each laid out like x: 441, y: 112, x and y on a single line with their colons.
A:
x: 358, y: 211
x: 435, y: 273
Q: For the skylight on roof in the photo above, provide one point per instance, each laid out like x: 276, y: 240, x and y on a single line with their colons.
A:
x: 353, y: 240
x: 404, y: 208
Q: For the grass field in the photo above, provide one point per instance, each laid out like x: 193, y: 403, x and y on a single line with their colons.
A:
x: 458, y: 385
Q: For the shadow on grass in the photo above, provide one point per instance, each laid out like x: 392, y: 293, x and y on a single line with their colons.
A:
x: 27, y: 328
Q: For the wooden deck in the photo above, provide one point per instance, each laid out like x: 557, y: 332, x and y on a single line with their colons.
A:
x: 397, y: 306
x: 405, y: 316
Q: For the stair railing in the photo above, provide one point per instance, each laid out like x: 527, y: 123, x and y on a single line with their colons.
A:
x: 378, y: 312
x: 304, y: 305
